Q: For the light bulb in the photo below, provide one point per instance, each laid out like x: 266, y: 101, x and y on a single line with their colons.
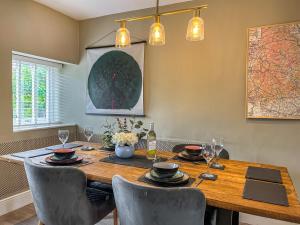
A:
x: 157, y: 33
x: 122, y: 37
x: 195, y: 30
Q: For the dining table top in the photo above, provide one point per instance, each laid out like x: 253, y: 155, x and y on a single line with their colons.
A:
x: 226, y: 192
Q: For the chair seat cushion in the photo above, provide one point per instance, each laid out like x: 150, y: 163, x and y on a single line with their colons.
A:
x: 95, y: 195
x: 97, y: 191
x: 100, y: 186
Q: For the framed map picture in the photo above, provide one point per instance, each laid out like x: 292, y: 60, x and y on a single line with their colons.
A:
x: 115, y: 81
x: 273, y: 72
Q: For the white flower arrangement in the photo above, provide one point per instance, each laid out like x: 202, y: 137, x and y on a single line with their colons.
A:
x: 124, y: 139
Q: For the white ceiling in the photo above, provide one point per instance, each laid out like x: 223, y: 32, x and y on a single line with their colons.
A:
x: 85, y: 9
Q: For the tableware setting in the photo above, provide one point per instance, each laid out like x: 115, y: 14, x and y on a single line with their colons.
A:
x: 165, y: 173
x: 63, y: 157
x: 192, y: 153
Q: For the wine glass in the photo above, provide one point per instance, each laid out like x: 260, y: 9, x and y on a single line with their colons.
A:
x: 218, y: 146
x: 208, y: 154
x: 88, y: 133
x: 63, y: 136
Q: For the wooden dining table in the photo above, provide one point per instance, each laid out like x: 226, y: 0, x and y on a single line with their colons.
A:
x: 226, y: 192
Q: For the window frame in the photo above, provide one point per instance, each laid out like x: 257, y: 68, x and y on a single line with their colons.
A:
x: 51, y: 100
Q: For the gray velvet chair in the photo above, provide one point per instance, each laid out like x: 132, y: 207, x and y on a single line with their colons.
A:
x: 60, y: 196
x: 143, y: 205
x: 213, y: 215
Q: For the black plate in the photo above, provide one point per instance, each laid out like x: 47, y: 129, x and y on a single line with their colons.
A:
x: 63, y: 162
x: 165, y: 168
x: 184, y: 180
x: 181, y: 147
x: 186, y: 156
x: 178, y: 176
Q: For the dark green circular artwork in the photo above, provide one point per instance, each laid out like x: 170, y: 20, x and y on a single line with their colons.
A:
x: 115, y: 81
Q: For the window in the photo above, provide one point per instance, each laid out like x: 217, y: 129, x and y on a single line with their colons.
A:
x: 35, y: 91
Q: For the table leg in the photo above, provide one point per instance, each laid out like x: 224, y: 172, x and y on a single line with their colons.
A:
x: 235, y: 218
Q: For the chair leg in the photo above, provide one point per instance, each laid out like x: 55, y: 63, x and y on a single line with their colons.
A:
x: 115, y: 213
x: 40, y: 223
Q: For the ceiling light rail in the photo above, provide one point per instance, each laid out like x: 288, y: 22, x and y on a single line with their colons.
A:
x: 195, y: 29
x: 168, y: 13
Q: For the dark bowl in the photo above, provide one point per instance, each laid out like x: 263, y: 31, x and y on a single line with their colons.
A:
x: 193, y: 150
x: 64, y: 153
x: 166, y: 169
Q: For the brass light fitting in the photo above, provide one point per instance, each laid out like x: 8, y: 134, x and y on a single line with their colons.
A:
x: 195, y: 30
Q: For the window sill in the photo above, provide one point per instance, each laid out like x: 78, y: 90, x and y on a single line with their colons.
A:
x: 41, y: 127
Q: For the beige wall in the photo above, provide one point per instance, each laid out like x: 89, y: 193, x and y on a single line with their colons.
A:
x: 197, y: 90
x: 28, y: 27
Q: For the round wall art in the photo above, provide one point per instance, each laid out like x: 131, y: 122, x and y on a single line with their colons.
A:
x: 115, y: 81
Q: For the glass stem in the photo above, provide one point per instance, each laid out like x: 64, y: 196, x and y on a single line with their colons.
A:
x: 208, y: 165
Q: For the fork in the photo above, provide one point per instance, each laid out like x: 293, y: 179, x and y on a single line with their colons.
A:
x: 199, y: 182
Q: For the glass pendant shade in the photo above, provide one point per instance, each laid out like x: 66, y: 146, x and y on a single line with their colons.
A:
x: 195, y: 30
x: 122, y: 37
x: 157, y: 34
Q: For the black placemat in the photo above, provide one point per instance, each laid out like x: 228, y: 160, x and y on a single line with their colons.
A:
x: 32, y: 153
x: 265, y: 192
x: 186, y: 160
x: 264, y: 174
x: 136, y: 161
x: 145, y: 180
x: 107, y: 149
x: 78, y: 164
x: 67, y: 145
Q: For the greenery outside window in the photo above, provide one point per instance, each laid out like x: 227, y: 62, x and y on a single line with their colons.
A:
x: 35, y: 91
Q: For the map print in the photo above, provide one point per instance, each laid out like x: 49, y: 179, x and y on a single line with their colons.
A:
x: 273, y: 72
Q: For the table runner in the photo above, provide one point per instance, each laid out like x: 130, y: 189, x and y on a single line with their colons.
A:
x: 139, y: 161
x: 32, y: 153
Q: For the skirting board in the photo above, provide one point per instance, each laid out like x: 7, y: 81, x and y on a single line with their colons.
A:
x: 257, y: 220
x: 15, y: 202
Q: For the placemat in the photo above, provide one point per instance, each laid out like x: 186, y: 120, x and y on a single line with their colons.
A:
x: 188, y: 184
x: 265, y: 192
x: 32, y: 153
x: 67, y: 145
x: 136, y: 161
x: 190, y: 161
x: 264, y: 174
x: 83, y: 163
x: 107, y: 149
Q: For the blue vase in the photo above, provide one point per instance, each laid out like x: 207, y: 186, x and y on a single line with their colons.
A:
x: 124, y: 151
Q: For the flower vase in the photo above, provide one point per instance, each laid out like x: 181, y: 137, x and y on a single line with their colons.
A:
x: 124, y: 151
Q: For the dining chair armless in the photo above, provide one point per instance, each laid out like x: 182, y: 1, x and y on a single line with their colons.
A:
x: 60, y: 196
x: 144, y: 205
x: 213, y: 215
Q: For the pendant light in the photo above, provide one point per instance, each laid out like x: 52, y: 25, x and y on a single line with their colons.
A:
x: 122, y: 36
x: 157, y: 33
x: 195, y: 29
x: 157, y: 36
